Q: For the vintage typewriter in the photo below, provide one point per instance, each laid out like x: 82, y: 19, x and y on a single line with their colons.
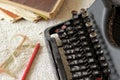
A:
x: 89, y: 44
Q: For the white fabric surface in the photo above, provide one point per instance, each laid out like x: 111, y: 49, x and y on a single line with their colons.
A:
x: 42, y: 67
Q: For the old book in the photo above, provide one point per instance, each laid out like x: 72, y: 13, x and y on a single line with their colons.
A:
x: 7, y: 15
x: 26, y: 14
x: 45, y: 8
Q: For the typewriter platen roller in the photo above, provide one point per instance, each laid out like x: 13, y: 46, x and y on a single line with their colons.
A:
x: 89, y: 51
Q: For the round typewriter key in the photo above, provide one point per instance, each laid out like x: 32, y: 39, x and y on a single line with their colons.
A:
x: 75, y: 68
x: 82, y: 38
x: 73, y: 39
x: 78, y: 27
x: 93, y: 66
x: 63, y: 27
x: 96, y: 73
x: 74, y: 62
x: 84, y: 14
x: 91, y: 60
x: 74, y: 12
x: 76, y: 22
x: 95, y: 40
x: 65, y: 41
x: 99, y: 52
x: 81, y: 33
x: 77, y: 75
x: 69, y: 57
x: 85, y: 73
x: 104, y: 64
x: 86, y: 19
x: 84, y: 43
x: 67, y: 23
x: 106, y: 71
x: 79, y: 55
x: 91, y: 30
x: 88, y: 78
x: 76, y: 44
x: 77, y: 49
x: 97, y: 46
x: 63, y: 36
x: 93, y: 35
x: 69, y: 28
x: 70, y: 32
x: 89, y: 54
x: 71, y: 51
x: 87, y: 49
x: 83, y: 10
x: 102, y: 58
x: 89, y: 24
x: 80, y: 61
x: 75, y: 17
x: 66, y: 47
x: 83, y: 67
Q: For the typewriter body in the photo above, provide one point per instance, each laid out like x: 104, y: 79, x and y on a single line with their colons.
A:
x: 87, y: 50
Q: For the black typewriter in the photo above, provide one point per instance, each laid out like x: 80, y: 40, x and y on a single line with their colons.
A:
x: 89, y: 44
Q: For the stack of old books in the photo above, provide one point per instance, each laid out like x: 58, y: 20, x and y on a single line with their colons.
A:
x: 31, y: 10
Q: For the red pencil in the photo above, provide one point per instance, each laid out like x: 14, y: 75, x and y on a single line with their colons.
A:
x: 30, y: 61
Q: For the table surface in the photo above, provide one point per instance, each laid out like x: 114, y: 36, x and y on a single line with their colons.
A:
x: 42, y: 68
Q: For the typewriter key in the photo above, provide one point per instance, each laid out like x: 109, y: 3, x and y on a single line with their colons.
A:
x: 91, y: 30
x: 106, y: 71
x: 77, y: 75
x: 101, y: 58
x: 75, y: 69
x: 89, y: 54
x: 97, y: 46
x: 104, y: 64
x: 67, y: 47
x: 75, y: 17
x: 88, y: 24
x: 87, y: 49
x: 94, y: 41
x: 84, y: 43
x: 71, y: 51
x: 71, y: 57
x: 82, y: 38
x: 91, y: 60
x: 65, y: 41
x: 81, y: 32
x: 93, y: 66
x: 63, y: 27
x: 82, y: 10
x: 96, y: 73
x: 99, y: 52
x: 73, y: 39
x: 76, y: 44
x: 69, y: 28
x: 84, y: 13
x: 81, y: 61
x: 86, y: 19
x: 83, y: 67
x: 78, y: 27
x: 74, y: 12
x: 85, y: 73
x: 67, y: 23
x: 93, y: 35
x: 77, y: 49
x: 76, y: 22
